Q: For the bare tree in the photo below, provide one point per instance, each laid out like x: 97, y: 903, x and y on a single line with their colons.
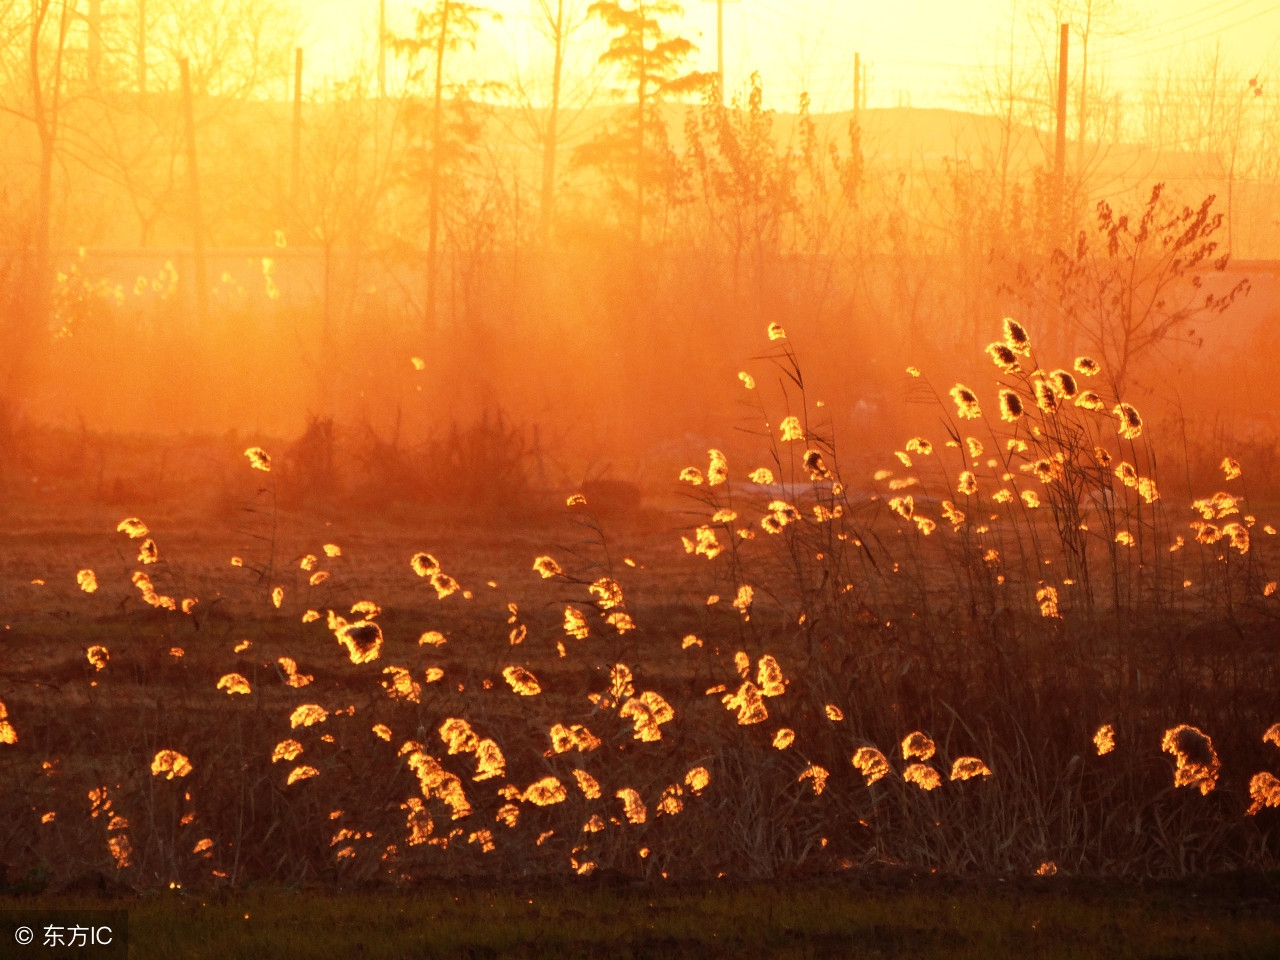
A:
x: 651, y: 60
x: 43, y: 38
x: 556, y: 22
x: 446, y: 28
x: 1138, y: 285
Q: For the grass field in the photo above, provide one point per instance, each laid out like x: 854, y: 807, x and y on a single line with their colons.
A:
x: 1006, y: 656
x: 881, y: 917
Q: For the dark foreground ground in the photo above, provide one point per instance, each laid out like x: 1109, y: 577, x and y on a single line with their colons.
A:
x: 1236, y: 916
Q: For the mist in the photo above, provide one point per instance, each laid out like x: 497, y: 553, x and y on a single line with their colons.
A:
x: 257, y: 251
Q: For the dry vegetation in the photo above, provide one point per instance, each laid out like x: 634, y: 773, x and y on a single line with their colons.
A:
x: 1009, y: 652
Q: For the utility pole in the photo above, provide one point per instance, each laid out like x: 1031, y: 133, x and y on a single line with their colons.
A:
x: 193, y: 193
x: 1060, y: 144
x: 857, y: 84
x: 382, y: 49
x: 297, y: 125
x: 142, y: 47
x: 433, y: 188
x: 720, y: 47
x: 95, y: 43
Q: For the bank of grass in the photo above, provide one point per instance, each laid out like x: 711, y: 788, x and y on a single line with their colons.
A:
x: 1235, y: 917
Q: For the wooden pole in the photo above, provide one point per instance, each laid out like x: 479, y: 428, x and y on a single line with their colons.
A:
x: 142, y: 47
x: 95, y: 43
x: 857, y: 83
x: 382, y: 49
x: 193, y: 190
x: 1060, y: 143
x: 720, y: 48
x: 296, y: 159
x: 551, y: 139
x: 433, y: 188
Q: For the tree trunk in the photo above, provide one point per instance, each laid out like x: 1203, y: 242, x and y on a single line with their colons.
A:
x: 550, y: 140
x: 32, y: 316
x: 642, y: 98
x: 437, y: 110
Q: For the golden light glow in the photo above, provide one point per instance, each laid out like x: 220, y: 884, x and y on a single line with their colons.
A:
x: 697, y: 780
x: 363, y: 640
x: 7, y: 733
x: 286, y: 750
x: 1264, y: 791
x: 424, y: 564
x: 400, y: 685
x: 233, y: 683
x: 258, y: 459
x: 132, y: 527
x: 148, y: 552
x: 1087, y: 367
x: 783, y: 738
x: 307, y: 715
x: 1197, y: 761
x: 521, y: 681
x: 1271, y: 736
x: 966, y: 768
x: 769, y: 677
x: 575, y: 623
x: 749, y: 703
x: 545, y: 792
x: 718, y: 471
x: 98, y: 655
x: 87, y: 581
x: 871, y: 763
x: 922, y: 775
x: 647, y: 712
x: 817, y: 777
x: 669, y: 804
x: 1003, y: 357
x: 1130, y: 425
x: 1047, y: 598
x: 1104, y: 740
x: 633, y: 807
x: 302, y: 772
x: 588, y: 784
x: 966, y: 401
x: 291, y: 675
x: 790, y: 429
x: 170, y: 764
x: 917, y: 745
x: 571, y: 737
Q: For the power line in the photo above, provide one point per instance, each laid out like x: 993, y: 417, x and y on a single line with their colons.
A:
x: 1182, y: 41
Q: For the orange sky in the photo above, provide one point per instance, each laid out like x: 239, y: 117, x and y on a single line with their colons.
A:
x: 919, y: 51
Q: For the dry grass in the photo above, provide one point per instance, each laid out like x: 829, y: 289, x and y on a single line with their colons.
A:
x: 844, y: 615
